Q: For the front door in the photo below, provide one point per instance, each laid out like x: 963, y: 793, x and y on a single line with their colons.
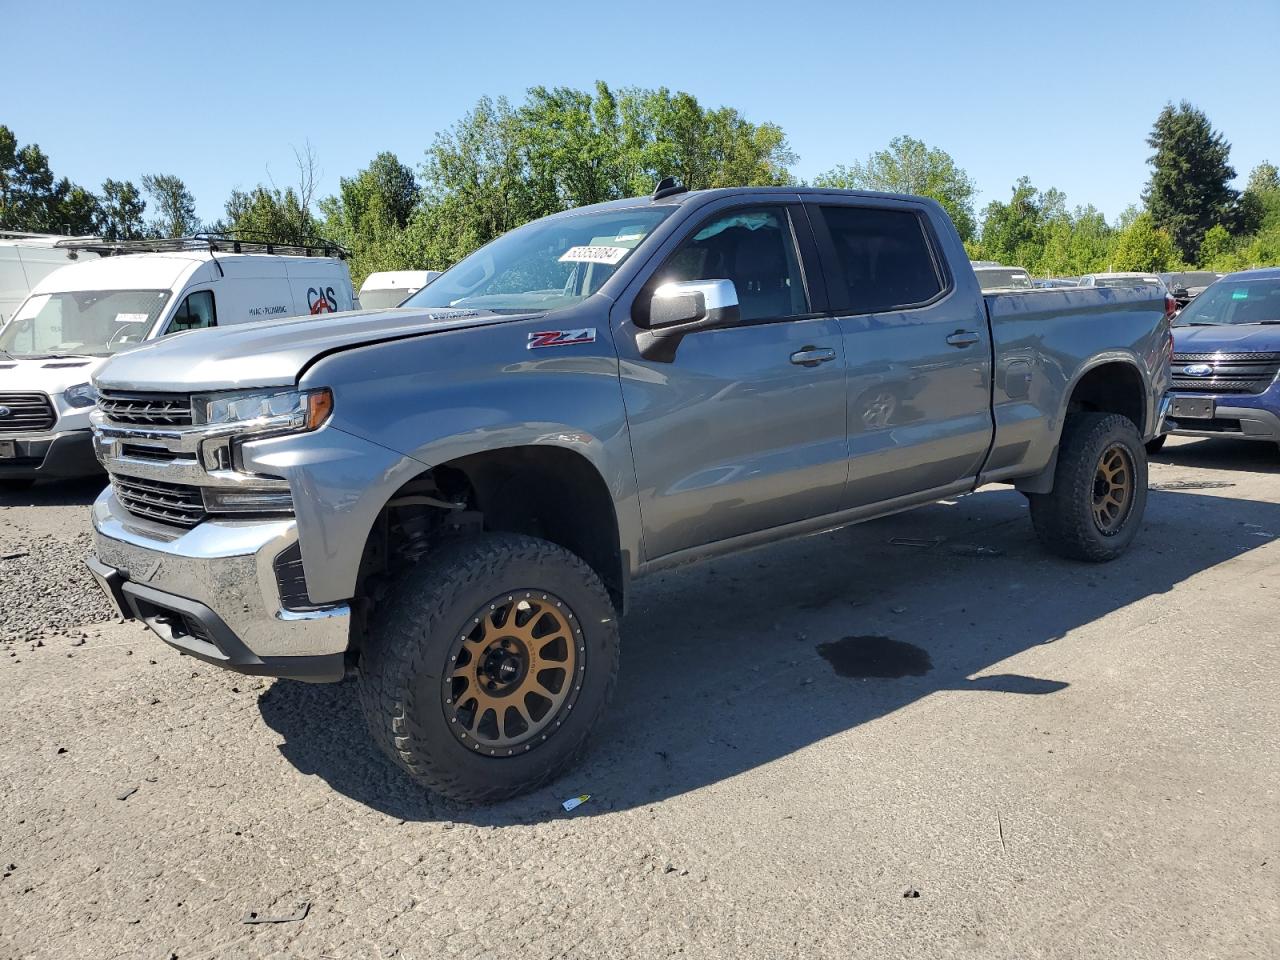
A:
x: 918, y: 350
x: 744, y: 429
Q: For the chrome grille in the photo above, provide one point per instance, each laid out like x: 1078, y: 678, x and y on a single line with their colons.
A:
x: 1232, y: 372
x: 172, y: 503
x: 147, y: 409
x: 27, y: 411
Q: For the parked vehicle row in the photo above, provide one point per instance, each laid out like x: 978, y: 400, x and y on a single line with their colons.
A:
x: 119, y: 295
x: 453, y: 498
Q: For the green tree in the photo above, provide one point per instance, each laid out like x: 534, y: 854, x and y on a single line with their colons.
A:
x: 370, y: 213
x: 1218, y: 250
x: 1264, y: 178
x: 1189, y: 190
x: 1144, y: 246
x: 911, y: 166
x: 502, y: 165
x: 174, y: 206
x: 270, y: 214
x: 1016, y: 232
x: 120, y: 211
x: 32, y: 198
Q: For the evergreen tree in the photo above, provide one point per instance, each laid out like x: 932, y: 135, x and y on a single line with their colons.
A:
x: 1189, y: 190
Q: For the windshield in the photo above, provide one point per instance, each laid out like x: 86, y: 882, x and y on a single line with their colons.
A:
x: 1193, y: 278
x: 382, y: 299
x: 1126, y: 281
x: 1011, y: 279
x: 1234, y: 302
x: 543, y: 265
x: 92, y: 323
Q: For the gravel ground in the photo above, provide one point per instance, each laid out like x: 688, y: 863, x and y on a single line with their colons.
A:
x: 1069, y: 762
x: 44, y: 539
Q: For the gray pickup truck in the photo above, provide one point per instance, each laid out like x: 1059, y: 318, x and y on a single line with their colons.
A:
x: 450, y: 499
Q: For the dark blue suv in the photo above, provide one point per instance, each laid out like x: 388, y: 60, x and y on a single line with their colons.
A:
x: 1226, y: 356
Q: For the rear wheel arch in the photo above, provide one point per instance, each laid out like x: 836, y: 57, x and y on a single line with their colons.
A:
x: 1111, y: 386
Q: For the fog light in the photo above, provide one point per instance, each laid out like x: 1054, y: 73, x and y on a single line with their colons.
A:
x: 234, y: 500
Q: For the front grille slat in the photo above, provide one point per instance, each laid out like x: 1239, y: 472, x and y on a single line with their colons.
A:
x: 146, y: 409
x: 27, y: 412
x: 1239, y: 373
x: 172, y: 503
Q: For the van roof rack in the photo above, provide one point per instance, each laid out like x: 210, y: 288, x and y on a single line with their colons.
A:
x: 228, y: 242
x: 37, y: 235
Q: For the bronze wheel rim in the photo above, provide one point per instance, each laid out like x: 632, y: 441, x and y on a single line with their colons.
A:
x: 1113, y: 488
x: 514, y: 674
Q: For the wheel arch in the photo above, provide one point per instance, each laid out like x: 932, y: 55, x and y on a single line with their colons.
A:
x: 547, y: 490
x: 1111, y: 383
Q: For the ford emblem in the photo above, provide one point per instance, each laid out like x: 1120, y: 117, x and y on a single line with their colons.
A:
x: 1198, y: 370
x: 5, y: 412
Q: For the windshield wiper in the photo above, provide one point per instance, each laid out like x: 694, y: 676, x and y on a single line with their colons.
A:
x: 1200, y: 323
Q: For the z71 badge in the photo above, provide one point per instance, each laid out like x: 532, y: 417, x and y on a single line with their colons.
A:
x: 561, y: 338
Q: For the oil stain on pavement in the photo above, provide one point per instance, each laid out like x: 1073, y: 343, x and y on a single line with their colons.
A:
x: 873, y: 656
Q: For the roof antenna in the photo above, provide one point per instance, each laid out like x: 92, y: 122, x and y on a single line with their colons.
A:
x: 668, y: 187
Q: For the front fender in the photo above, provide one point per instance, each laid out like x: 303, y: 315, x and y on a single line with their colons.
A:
x: 425, y: 401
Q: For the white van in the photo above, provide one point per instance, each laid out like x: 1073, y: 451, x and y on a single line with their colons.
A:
x: 79, y: 315
x: 390, y: 288
x: 25, y: 260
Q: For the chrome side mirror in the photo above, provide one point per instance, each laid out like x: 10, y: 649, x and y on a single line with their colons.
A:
x: 680, y: 308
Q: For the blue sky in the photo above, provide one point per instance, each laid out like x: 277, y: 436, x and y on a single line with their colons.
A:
x: 218, y: 93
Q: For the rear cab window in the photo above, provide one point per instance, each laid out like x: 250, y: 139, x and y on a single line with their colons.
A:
x: 884, y: 259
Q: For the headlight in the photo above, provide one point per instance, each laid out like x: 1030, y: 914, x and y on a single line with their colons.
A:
x: 291, y: 410
x: 81, y: 395
x: 247, y: 500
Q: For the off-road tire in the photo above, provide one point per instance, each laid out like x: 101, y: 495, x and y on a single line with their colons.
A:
x: 406, y: 654
x: 1156, y: 444
x: 1064, y: 519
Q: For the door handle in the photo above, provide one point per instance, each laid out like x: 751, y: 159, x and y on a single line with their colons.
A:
x: 812, y: 356
x: 963, y: 338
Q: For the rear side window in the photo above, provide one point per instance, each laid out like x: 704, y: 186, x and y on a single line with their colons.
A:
x: 195, y: 313
x: 884, y: 259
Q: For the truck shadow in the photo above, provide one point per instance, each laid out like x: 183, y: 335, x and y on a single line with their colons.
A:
x: 1252, y: 456
x: 81, y: 491
x: 721, y: 671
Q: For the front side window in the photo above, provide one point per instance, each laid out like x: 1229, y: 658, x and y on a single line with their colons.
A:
x: 195, y: 313
x: 884, y: 258
x: 544, y: 265
x: 93, y: 323
x: 753, y: 248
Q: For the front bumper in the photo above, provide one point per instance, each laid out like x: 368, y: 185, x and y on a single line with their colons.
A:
x: 51, y: 456
x: 1235, y: 416
x: 212, y: 592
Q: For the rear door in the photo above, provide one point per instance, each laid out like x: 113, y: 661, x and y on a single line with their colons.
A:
x: 917, y: 347
x: 744, y: 428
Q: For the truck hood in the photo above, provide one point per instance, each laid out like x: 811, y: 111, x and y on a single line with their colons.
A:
x: 46, y: 376
x: 272, y: 353
x: 1227, y: 339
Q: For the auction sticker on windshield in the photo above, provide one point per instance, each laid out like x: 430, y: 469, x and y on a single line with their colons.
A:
x: 131, y: 317
x: 594, y: 254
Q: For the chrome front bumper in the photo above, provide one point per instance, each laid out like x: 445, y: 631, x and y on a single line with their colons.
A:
x: 211, y: 591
